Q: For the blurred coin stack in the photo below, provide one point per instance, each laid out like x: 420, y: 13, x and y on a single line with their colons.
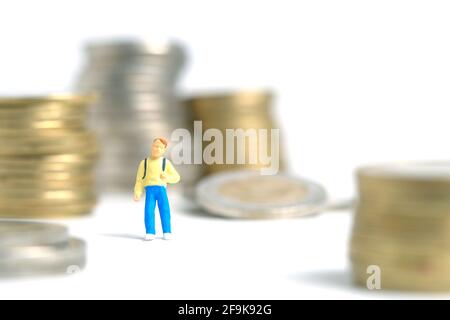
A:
x: 402, y: 226
x: 135, y: 85
x: 34, y: 249
x: 46, y: 157
x: 239, y: 110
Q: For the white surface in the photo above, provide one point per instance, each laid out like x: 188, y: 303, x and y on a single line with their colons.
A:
x: 209, y: 258
x: 358, y: 81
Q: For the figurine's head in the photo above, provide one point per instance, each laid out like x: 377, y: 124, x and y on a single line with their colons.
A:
x: 159, y: 146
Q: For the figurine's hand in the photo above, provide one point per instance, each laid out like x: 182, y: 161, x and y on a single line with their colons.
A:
x: 136, y: 199
x: 163, y: 177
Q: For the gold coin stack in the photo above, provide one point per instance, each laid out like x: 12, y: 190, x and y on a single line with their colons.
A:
x: 402, y: 226
x: 240, y: 110
x: 46, y: 157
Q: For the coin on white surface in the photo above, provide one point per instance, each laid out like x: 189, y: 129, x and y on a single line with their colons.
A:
x: 20, y: 233
x: 247, y: 194
x: 68, y: 257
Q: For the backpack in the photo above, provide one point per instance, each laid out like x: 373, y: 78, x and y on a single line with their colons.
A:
x: 145, y: 167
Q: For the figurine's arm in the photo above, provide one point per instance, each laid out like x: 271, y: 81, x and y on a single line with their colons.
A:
x: 172, y: 176
x: 138, y: 187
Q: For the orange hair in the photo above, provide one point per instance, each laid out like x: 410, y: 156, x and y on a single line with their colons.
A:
x: 162, y: 140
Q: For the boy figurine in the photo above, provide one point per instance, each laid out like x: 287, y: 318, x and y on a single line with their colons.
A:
x: 153, y: 174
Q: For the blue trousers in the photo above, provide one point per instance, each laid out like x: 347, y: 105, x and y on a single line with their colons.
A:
x: 153, y: 195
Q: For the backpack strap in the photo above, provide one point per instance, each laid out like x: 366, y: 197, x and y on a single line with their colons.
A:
x: 145, y: 168
x: 164, y: 164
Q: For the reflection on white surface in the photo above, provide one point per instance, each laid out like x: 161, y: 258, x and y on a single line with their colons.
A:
x: 209, y: 258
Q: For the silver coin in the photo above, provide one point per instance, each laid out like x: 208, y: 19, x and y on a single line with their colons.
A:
x: 119, y: 154
x: 125, y: 72
x: 38, y: 260
x: 148, y: 134
x: 123, y: 115
x: 145, y: 134
x: 20, y: 233
x: 127, y: 169
x: 247, y: 194
x: 128, y: 68
x: 136, y: 105
x: 150, y: 85
x: 157, y: 71
x: 117, y: 57
x: 138, y: 137
x: 107, y: 62
x: 135, y: 99
x: 135, y: 84
x: 124, y: 149
x: 153, y: 85
x: 127, y: 82
x: 128, y: 120
x: 133, y: 46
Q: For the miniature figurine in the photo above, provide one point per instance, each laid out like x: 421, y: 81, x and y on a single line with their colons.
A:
x: 154, y: 174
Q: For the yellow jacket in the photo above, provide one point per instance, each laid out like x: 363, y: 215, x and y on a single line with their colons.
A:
x: 153, y: 175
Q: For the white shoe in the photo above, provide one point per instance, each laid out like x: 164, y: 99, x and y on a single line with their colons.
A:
x: 149, y: 237
x: 167, y: 236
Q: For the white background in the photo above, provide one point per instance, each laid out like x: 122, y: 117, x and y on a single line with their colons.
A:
x: 357, y: 82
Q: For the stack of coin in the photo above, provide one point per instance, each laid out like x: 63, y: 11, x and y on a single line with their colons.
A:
x: 135, y: 85
x: 33, y: 249
x: 46, y: 157
x: 402, y: 226
x: 250, y: 111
